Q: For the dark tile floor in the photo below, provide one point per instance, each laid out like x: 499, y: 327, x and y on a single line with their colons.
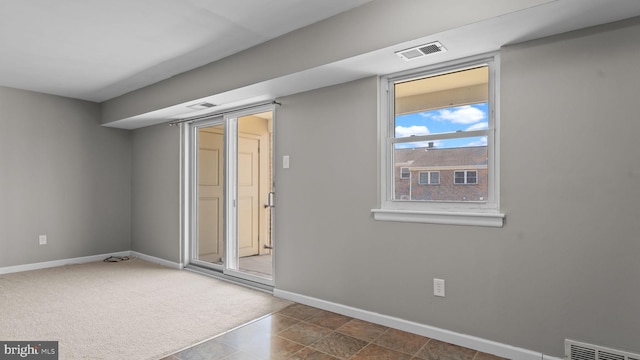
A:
x: 301, y: 332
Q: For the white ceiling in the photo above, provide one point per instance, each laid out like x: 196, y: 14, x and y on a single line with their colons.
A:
x: 99, y: 49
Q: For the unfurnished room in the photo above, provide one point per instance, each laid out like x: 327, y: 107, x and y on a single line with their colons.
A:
x: 320, y: 179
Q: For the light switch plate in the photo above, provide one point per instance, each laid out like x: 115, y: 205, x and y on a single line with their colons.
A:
x: 438, y: 287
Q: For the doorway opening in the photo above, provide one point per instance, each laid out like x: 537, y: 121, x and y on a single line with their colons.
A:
x: 232, y: 194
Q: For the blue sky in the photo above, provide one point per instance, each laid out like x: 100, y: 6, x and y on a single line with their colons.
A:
x: 464, y: 118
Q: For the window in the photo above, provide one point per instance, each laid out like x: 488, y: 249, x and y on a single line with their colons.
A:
x: 465, y: 177
x: 439, y: 126
x: 428, y: 178
x: 404, y: 173
x: 434, y: 178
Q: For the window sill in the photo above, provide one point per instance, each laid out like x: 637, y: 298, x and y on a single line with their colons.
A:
x: 492, y: 219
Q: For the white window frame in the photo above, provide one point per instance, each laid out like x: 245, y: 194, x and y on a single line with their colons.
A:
x: 429, y: 182
x: 466, y: 177
x: 402, y: 173
x: 486, y: 213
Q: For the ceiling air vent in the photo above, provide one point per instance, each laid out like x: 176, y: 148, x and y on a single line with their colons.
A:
x: 574, y: 350
x: 421, y: 50
x: 201, y: 106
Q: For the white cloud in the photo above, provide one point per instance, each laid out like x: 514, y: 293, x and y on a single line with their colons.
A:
x: 478, y: 126
x: 481, y: 142
x: 406, y: 131
x: 461, y: 115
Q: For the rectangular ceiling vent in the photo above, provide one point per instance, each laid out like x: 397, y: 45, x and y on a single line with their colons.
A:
x: 421, y: 50
x: 201, y: 106
x: 574, y: 350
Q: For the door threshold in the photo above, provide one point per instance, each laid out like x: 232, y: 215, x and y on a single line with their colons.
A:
x: 232, y: 279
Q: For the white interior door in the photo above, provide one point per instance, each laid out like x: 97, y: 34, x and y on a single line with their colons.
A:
x: 209, y: 242
x: 248, y: 195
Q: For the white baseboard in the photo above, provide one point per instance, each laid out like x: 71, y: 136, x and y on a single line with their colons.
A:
x: 157, y: 260
x: 87, y: 259
x: 55, y: 263
x: 471, y: 342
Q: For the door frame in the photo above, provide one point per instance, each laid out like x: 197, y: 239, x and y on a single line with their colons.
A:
x: 188, y: 193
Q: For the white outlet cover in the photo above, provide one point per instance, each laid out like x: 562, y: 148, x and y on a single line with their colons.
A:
x: 42, y: 239
x: 438, y: 287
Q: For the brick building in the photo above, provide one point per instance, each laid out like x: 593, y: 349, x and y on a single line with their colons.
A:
x: 448, y: 174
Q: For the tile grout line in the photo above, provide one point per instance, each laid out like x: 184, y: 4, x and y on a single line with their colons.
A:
x: 368, y: 343
x: 307, y: 346
x: 421, y: 348
x: 320, y: 351
x: 334, y: 331
x: 413, y: 355
x: 363, y: 332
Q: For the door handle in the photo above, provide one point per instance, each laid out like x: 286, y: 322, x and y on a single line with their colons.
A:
x: 270, y: 203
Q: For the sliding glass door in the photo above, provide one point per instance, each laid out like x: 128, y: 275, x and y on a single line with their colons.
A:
x: 231, y: 194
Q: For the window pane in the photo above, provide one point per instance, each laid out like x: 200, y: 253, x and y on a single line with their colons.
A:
x: 447, y: 120
x: 435, y: 178
x: 459, y: 166
x: 452, y: 102
x: 424, y: 178
x: 471, y: 177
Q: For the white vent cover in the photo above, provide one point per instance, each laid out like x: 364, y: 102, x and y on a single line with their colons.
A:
x: 421, y: 50
x: 201, y: 106
x: 574, y: 350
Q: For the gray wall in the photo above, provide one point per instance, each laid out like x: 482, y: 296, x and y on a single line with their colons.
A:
x: 564, y: 265
x: 63, y: 175
x: 155, y: 198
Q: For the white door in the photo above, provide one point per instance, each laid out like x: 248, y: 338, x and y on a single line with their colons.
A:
x: 210, y: 208
x: 248, y: 195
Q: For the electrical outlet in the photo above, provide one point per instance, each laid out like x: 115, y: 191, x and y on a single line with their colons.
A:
x: 438, y: 287
x: 42, y: 239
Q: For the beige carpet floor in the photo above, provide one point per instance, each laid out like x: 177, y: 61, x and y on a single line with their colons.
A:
x: 125, y: 310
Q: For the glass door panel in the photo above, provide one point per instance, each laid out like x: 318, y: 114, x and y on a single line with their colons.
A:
x: 209, y: 246
x: 254, y: 186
